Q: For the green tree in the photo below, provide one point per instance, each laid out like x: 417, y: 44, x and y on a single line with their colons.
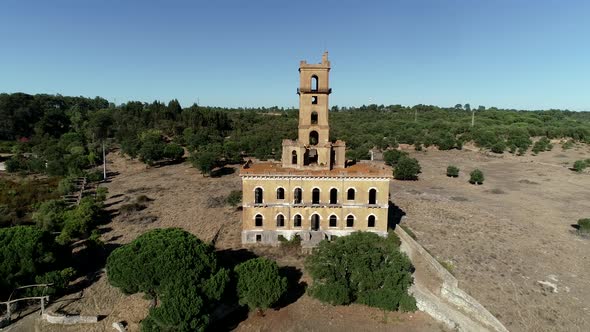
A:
x: 160, y: 257
x: 259, y: 283
x: 362, y: 267
x: 25, y: 252
x: 407, y: 169
x: 476, y: 177
x: 391, y: 157
x: 173, y: 151
x: 205, y: 161
x: 452, y: 171
x: 50, y: 215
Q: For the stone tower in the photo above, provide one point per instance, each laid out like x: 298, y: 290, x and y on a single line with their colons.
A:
x: 313, y: 148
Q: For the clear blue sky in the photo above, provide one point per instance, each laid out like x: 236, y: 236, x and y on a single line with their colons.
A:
x: 507, y: 53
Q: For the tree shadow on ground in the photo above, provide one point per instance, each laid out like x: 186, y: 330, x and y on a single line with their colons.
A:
x: 163, y: 163
x: 222, y: 171
x: 295, y: 287
x: 394, y: 215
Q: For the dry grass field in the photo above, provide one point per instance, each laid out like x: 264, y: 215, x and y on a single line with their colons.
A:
x: 501, y: 239
x: 509, y: 240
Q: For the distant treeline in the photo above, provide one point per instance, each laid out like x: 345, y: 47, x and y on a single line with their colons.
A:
x: 65, y: 133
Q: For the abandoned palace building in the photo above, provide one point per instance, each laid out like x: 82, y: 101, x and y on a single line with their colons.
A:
x: 312, y: 192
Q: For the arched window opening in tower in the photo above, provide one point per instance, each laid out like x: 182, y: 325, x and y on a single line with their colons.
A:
x: 280, y: 220
x: 258, y: 220
x: 314, y: 137
x: 371, y: 221
x: 280, y: 193
x: 258, y: 196
x: 350, y: 221
x: 297, y: 221
x: 314, y: 117
x: 314, y: 100
x: 294, y: 157
x: 350, y: 194
x: 333, y: 196
x: 310, y: 157
x: 314, y: 83
x: 315, y: 196
x: 333, y: 221
x: 315, y: 222
x: 297, y: 196
x: 373, y: 196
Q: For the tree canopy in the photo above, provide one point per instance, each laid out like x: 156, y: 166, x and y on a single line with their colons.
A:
x: 362, y: 267
x: 259, y: 283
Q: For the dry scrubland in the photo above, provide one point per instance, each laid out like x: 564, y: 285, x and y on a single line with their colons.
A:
x: 501, y: 238
x: 509, y: 234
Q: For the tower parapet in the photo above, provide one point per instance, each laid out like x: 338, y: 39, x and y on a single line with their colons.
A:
x: 313, y: 148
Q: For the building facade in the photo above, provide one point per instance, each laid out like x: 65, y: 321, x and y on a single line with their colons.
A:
x: 312, y: 192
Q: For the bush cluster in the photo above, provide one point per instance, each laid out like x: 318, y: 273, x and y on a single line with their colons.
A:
x: 581, y: 165
x: 476, y: 177
x: 364, y: 268
x: 452, y: 171
x: 407, y: 169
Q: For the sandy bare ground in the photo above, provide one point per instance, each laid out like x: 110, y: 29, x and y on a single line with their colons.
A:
x: 509, y: 234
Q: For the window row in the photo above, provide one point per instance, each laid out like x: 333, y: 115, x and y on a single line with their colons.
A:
x: 315, y: 221
x: 315, y: 195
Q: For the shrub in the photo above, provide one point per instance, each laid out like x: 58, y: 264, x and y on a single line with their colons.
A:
x: 542, y: 145
x: 391, y: 157
x: 78, y: 222
x: 66, y: 186
x: 498, y: 147
x: 407, y: 169
x: 452, y: 171
x: 584, y: 225
x: 362, y: 267
x: 173, y: 151
x: 580, y: 165
x: 205, y: 161
x: 50, y: 215
x: 567, y: 144
x: 234, y: 198
x: 476, y: 177
x: 259, y: 283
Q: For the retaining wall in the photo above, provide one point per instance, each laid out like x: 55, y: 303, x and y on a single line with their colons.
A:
x: 450, y: 290
x: 67, y: 320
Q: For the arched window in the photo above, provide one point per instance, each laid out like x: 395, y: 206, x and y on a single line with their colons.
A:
x: 297, y: 221
x: 314, y: 117
x: 280, y: 220
x: 350, y: 194
x: 294, y: 157
x: 314, y: 137
x: 280, y: 193
x: 373, y: 196
x: 315, y: 222
x: 314, y: 83
x: 350, y: 221
x: 297, y: 196
x: 333, y: 221
x: 258, y: 220
x: 315, y: 196
x: 258, y: 196
x: 333, y: 196
x: 371, y: 221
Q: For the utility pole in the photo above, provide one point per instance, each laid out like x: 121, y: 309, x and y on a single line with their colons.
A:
x: 472, y: 118
x: 104, y: 163
x: 415, y: 115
